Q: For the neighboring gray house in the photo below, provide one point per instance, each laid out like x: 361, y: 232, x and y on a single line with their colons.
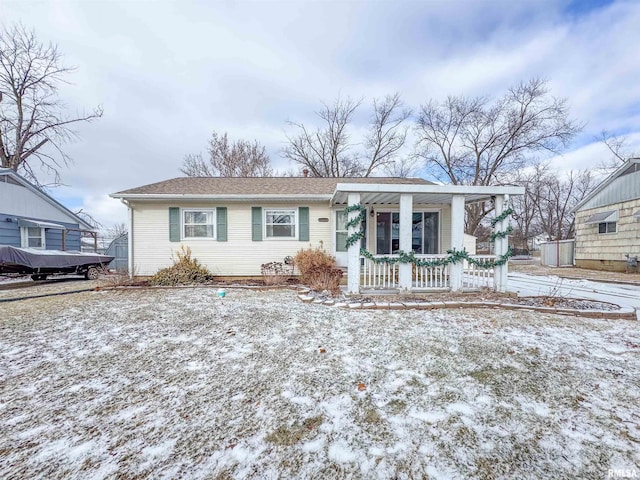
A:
x: 29, y: 218
x: 608, y: 221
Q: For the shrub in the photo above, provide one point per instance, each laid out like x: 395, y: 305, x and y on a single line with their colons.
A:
x: 276, y: 273
x: 184, y: 271
x: 318, y: 270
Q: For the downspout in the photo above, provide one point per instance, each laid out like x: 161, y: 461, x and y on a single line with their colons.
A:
x: 129, y: 239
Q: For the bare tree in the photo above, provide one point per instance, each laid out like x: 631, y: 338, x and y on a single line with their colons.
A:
x: 327, y: 151
x: 526, y: 207
x: 620, y: 151
x: 33, y: 127
x: 117, y: 230
x: 87, y: 217
x: 194, y: 165
x: 556, y: 197
x: 406, y: 166
x: 238, y: 159
x: 479, y: 141
x: 387, y: 132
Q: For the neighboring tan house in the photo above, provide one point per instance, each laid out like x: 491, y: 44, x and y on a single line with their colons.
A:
x: 234, y: 225
x: 607, y: 221
x: 29, y: 218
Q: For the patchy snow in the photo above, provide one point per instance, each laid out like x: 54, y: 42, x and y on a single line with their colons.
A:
x: 176, y: 383
x: 561, y: 288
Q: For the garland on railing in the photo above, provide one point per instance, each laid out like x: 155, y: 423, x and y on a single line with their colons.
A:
x: 453, y: 255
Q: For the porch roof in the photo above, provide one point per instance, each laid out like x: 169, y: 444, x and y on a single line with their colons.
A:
x: 381, y: 194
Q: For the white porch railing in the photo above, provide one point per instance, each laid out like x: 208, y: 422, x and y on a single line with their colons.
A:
x: 385, y: 276
x: 431, y: 278
x: 475, y: 277
x: 379, y: 275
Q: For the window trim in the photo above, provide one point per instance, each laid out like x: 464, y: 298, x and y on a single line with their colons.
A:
x: 24, y: 238
x: 214, y: 223
x: 337, y: 230
x: 606, y: 232
x: 296, y: 223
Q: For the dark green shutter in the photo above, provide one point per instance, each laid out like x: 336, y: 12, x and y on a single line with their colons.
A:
x: 174, y: 224
x: 303, y: 224
x: 221, y: 223
x: 256, y: 224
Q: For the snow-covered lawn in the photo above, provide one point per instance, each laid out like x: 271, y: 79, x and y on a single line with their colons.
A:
x: 176, y: 383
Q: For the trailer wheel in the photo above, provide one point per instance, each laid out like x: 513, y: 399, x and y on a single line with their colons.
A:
x: 92, y: 273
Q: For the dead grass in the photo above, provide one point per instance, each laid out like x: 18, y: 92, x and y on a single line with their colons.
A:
x: 287, y: 435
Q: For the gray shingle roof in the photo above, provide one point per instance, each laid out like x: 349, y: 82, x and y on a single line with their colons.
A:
x: 257, y: 185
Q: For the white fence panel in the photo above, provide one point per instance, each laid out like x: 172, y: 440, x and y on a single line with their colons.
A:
x: 431, y: 278
x: 379, y: 275
x: 475, y: 277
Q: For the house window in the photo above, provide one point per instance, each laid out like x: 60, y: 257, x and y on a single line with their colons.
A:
x: 280, y: 224
x: 342, y: 233
x: 607, y: 227
x: 33, y: 237
x: 425, y: 232
x: 198, y: 223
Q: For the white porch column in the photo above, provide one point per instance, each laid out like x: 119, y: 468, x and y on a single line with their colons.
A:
x: 405, y: 270
x: 353, y: 252
x: 457, y: 240
x: 500, y: 272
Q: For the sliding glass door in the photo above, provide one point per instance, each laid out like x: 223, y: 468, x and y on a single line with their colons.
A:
x: 425, y: 233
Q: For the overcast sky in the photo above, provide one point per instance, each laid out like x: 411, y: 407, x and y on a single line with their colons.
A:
x: 169, y: 73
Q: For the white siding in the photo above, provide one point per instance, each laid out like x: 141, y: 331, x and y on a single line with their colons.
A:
x: 20, y: 201
x: 238, y: 256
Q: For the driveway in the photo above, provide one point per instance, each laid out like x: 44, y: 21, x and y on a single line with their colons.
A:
x: 532, y: 285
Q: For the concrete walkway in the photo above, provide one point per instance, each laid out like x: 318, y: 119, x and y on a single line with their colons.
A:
x: 535, y: 285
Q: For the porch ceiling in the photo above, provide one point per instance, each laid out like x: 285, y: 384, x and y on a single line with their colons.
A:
x: 380, y: 194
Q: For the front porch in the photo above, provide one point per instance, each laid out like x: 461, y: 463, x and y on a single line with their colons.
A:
x: 406, y: 264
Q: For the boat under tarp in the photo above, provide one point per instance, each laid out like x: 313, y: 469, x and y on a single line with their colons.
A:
x: 40, y: 263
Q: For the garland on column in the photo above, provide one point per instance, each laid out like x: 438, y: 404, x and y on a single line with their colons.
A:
x: 356, y: 222
x: 453, y: 255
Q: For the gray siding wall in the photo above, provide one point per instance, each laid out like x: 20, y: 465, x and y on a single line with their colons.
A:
x: 20, y: 201
x: 10, y: 233
x: 53, y: 238
x: 622, y: 189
